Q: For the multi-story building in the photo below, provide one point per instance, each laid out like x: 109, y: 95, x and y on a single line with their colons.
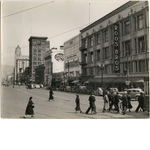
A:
x: 40, y: 74
x: 57, y: 58
x: 21, y: 62
x: 115, y: 48
x: 37, y: 47
x: 48, y: 68
x: 72, y: 58
x: 21, y: 65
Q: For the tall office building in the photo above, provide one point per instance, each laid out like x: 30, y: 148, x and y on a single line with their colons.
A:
x: 20, y: 63
x: 37, y: 47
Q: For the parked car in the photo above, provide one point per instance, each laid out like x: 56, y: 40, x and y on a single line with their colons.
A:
x: 99, y: 91
x: 68, y: 89
x: 36, y: 86
x: 30, y: 86
x: 134, y: 92
x: 41, y: 86
x: 113, y: 89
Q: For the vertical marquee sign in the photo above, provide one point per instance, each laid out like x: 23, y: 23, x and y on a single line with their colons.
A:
x: 116, y: 48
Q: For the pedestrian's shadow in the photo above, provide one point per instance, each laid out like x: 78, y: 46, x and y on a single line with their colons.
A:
x: 22, y: 117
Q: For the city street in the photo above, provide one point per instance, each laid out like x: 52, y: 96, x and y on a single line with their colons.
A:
x: 14, y: 102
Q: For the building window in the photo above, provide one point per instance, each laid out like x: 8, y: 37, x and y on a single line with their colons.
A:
x: 85, y: 56
x: 106, y: 35
x: 77, y: 73
x: 135, y: 66
x: 134, y: 23
x: 141, y: 65
x: 84, y: 43
x: 91, y: 71
x: 34, y: 50
x: 107, y: 69
x: 98, y: 39
x: 106, y: 54
x: 34, y: 58
x: 72, y: 73
x: 127, y: 48
x: 140, y: 22
x: 39, y: 59
x: 141, y: 46
x: 147, y: 65
x: 34, y: 63
x: 127, y: 27
x: 91, y: 41
x: 91, y: 56
x: 98, y: 55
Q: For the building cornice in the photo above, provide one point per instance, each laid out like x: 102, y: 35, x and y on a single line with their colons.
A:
x: 116, y: 11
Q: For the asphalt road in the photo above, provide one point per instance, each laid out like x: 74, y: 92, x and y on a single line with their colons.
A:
x: 14, y: 101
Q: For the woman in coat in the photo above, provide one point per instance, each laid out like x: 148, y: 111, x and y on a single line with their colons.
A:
x: 77, y: 101
x: 105, y: 98
x: 129, y: 106
x: 51, y: 95
x: 29, y: 108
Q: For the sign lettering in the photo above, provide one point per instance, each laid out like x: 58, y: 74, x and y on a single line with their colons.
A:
x: 116, y: 48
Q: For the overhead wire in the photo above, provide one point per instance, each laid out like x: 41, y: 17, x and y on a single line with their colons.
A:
x: 27, y: 9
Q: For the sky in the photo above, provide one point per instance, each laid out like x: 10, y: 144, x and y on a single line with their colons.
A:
x: 57, y: 20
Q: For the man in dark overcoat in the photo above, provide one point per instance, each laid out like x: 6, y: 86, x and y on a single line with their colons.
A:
x: 141, y: 102
x: 92, y: 106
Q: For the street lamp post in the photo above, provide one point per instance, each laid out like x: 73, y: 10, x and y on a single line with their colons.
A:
x: 102, y: 68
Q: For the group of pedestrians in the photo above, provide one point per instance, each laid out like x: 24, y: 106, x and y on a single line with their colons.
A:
x: 91, y: 107
x: 112, y: 102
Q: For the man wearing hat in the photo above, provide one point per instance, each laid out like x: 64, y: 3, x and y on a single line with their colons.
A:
x: 141, y: 102
x: 92, y: 106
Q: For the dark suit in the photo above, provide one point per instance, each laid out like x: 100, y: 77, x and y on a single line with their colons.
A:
x: 92, y: 104
x: 141, y: 103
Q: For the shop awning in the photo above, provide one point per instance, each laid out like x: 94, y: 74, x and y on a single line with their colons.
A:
x: 99, y: 80
x: 116, y: 80
x: 75, y: 81
x: 86, y: 82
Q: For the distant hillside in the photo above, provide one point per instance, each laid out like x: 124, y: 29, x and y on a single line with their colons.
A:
x: 6, y: 70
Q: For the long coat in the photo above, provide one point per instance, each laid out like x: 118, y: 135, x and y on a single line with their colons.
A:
x: 77, y: 104
x: 129, y: 101
x: 29, y: 108
x: 51, y: 94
